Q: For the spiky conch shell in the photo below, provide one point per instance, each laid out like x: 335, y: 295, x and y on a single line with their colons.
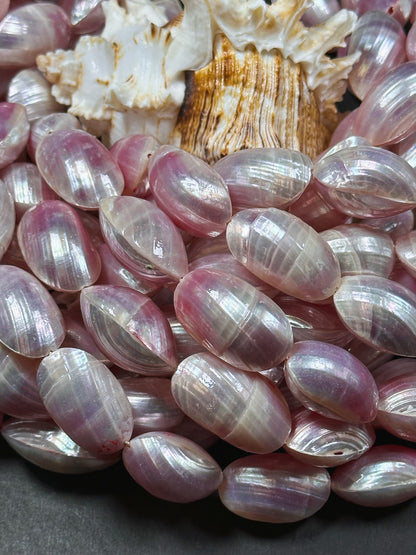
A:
x: 255, y: 75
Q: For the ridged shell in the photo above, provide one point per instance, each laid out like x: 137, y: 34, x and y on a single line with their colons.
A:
x: 406, y: 252
x: 48, y: 124
x: 14, y: 131
x: 242, y: 408
x: 285, y: 252
x: 85, y: 400
x: 274, y: 488
x: 7, y: 218
x: 171, y: 467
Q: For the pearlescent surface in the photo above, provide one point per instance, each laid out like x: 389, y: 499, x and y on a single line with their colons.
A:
x: 14, y: 131
x: 171, y: 467
x: 285, y: 252
x: 329, y: 380
x: 243, y: 408
x: 79, y: 168
x: 130, y: 329
x: 86, y: 400
x: 46, y: 445
x: 395, y: 226
x: 406, y: 252
x: 274, y: 488
x: 382, y: 477
x: 7, y: 218
x: 143, y: 238
x: 315, y: 439
x: 30, y: 321
x: 232, y: 319
x: 57, y: 248
x: 380, y: 312
x: 264, y: 177
x: 48, y: 124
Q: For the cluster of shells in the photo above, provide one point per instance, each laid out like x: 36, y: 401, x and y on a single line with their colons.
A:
x: 195, y: 247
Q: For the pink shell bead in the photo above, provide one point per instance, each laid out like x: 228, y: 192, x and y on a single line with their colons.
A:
x: 366, y: 182
x: 48, y: 124
x: 329, y: 380
x: 14, y: 132
x: 406, y: 252
x: 154, y: 408
x: 411, y: 43
x: 386, y: 114
x: 232, y: 319
x: 321, y: 441
x: 78, y: 168
x: 189, y: 191
x: 143, y: 238
x: 130, y: 329
x: 264, y: 177
x: 30, y: 321
x: 171, y: 467
x: 395, y: 226
x: 284, y: 489
x: 85, y: 400
x: 396, y: 382
x: 68, y: 264
x: 381, y: 41
x: 31, y: 30
x: 361, y: 250
x: 242, y: 408
x: 47, y: 446
x: 380, y: 312
x: 86, y: 16
x: 7, y: 218
x: 285, y: 252
x: 382, y: 477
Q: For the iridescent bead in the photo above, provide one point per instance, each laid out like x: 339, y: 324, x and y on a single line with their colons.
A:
x: 274, y: 488
x: 406, y: 252
x: 171, y: 467
x: 7, y: 218
x: 14, y: 132
x: 55, y: 121
x: 242, y: 408
x: 395, y: 226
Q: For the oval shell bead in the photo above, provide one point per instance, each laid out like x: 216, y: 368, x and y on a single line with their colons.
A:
x: 361, y: 250
x: 320, y: 441
x: 372, y: 306
x: 7, y: 218
x: 19, y: 396
x: 49, y: 123
x: 47, y: 446
x: 78, y: 168
x: 329, y: 380
x: 154, y: 408
x: 68, y: 264
x: 189, y: 191
x: 264, y: 177
x: 396, y: 382
x: 366, y: 182
x: 143, y: 238
x: 232, y: 319
x: 171, y: 467
x: 130, y: 329
x: 85, y: 400
x: 284, y: 490
x: 406, y: 252
x: 242, y: 408
x: 395, y: 226
x: 382, y: 477
x: 14, y: 132
x: 30, y: 321
x: 285, y: 252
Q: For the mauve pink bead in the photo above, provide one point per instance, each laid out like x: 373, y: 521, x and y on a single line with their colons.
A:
x: 381, y: 41
x: 329, y: 380
x: 33, y: 29
x: 143, y: 238
x: 193, y: 431
x: 395, y: 226
x: 30, y: 322
x: 406, y: 252
x: 132, y: 154
x: 232, y: 319
x: 380, y: 312
x: 411, y: 43
x: 85, y: 400
x: 171, y: 467
x: 79, y: 168
x: 19, y: 396
x: 264, y: 177
x: 382, y: 477
x: 396, y: 382
x: 65, y: 264
x: 189, y: 191
x: 285, y: 252
x: 344, y: 129
x: 402, y: 276
x: 48, y: 124
x: 14, y: 132
x: 274, y: 488
x: 185, y: 343
x: 7, y: 218
x: 13, y: 255
x: 398, y: 9
x: 242, y: 408
x: 321, y: 441
x: 370, y: 357
x: 130, y: 329
x: 319, y: 11
x: 386, y: 114
x: 86, y: 16
x: 203, y: 246
x: 406, y: 149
